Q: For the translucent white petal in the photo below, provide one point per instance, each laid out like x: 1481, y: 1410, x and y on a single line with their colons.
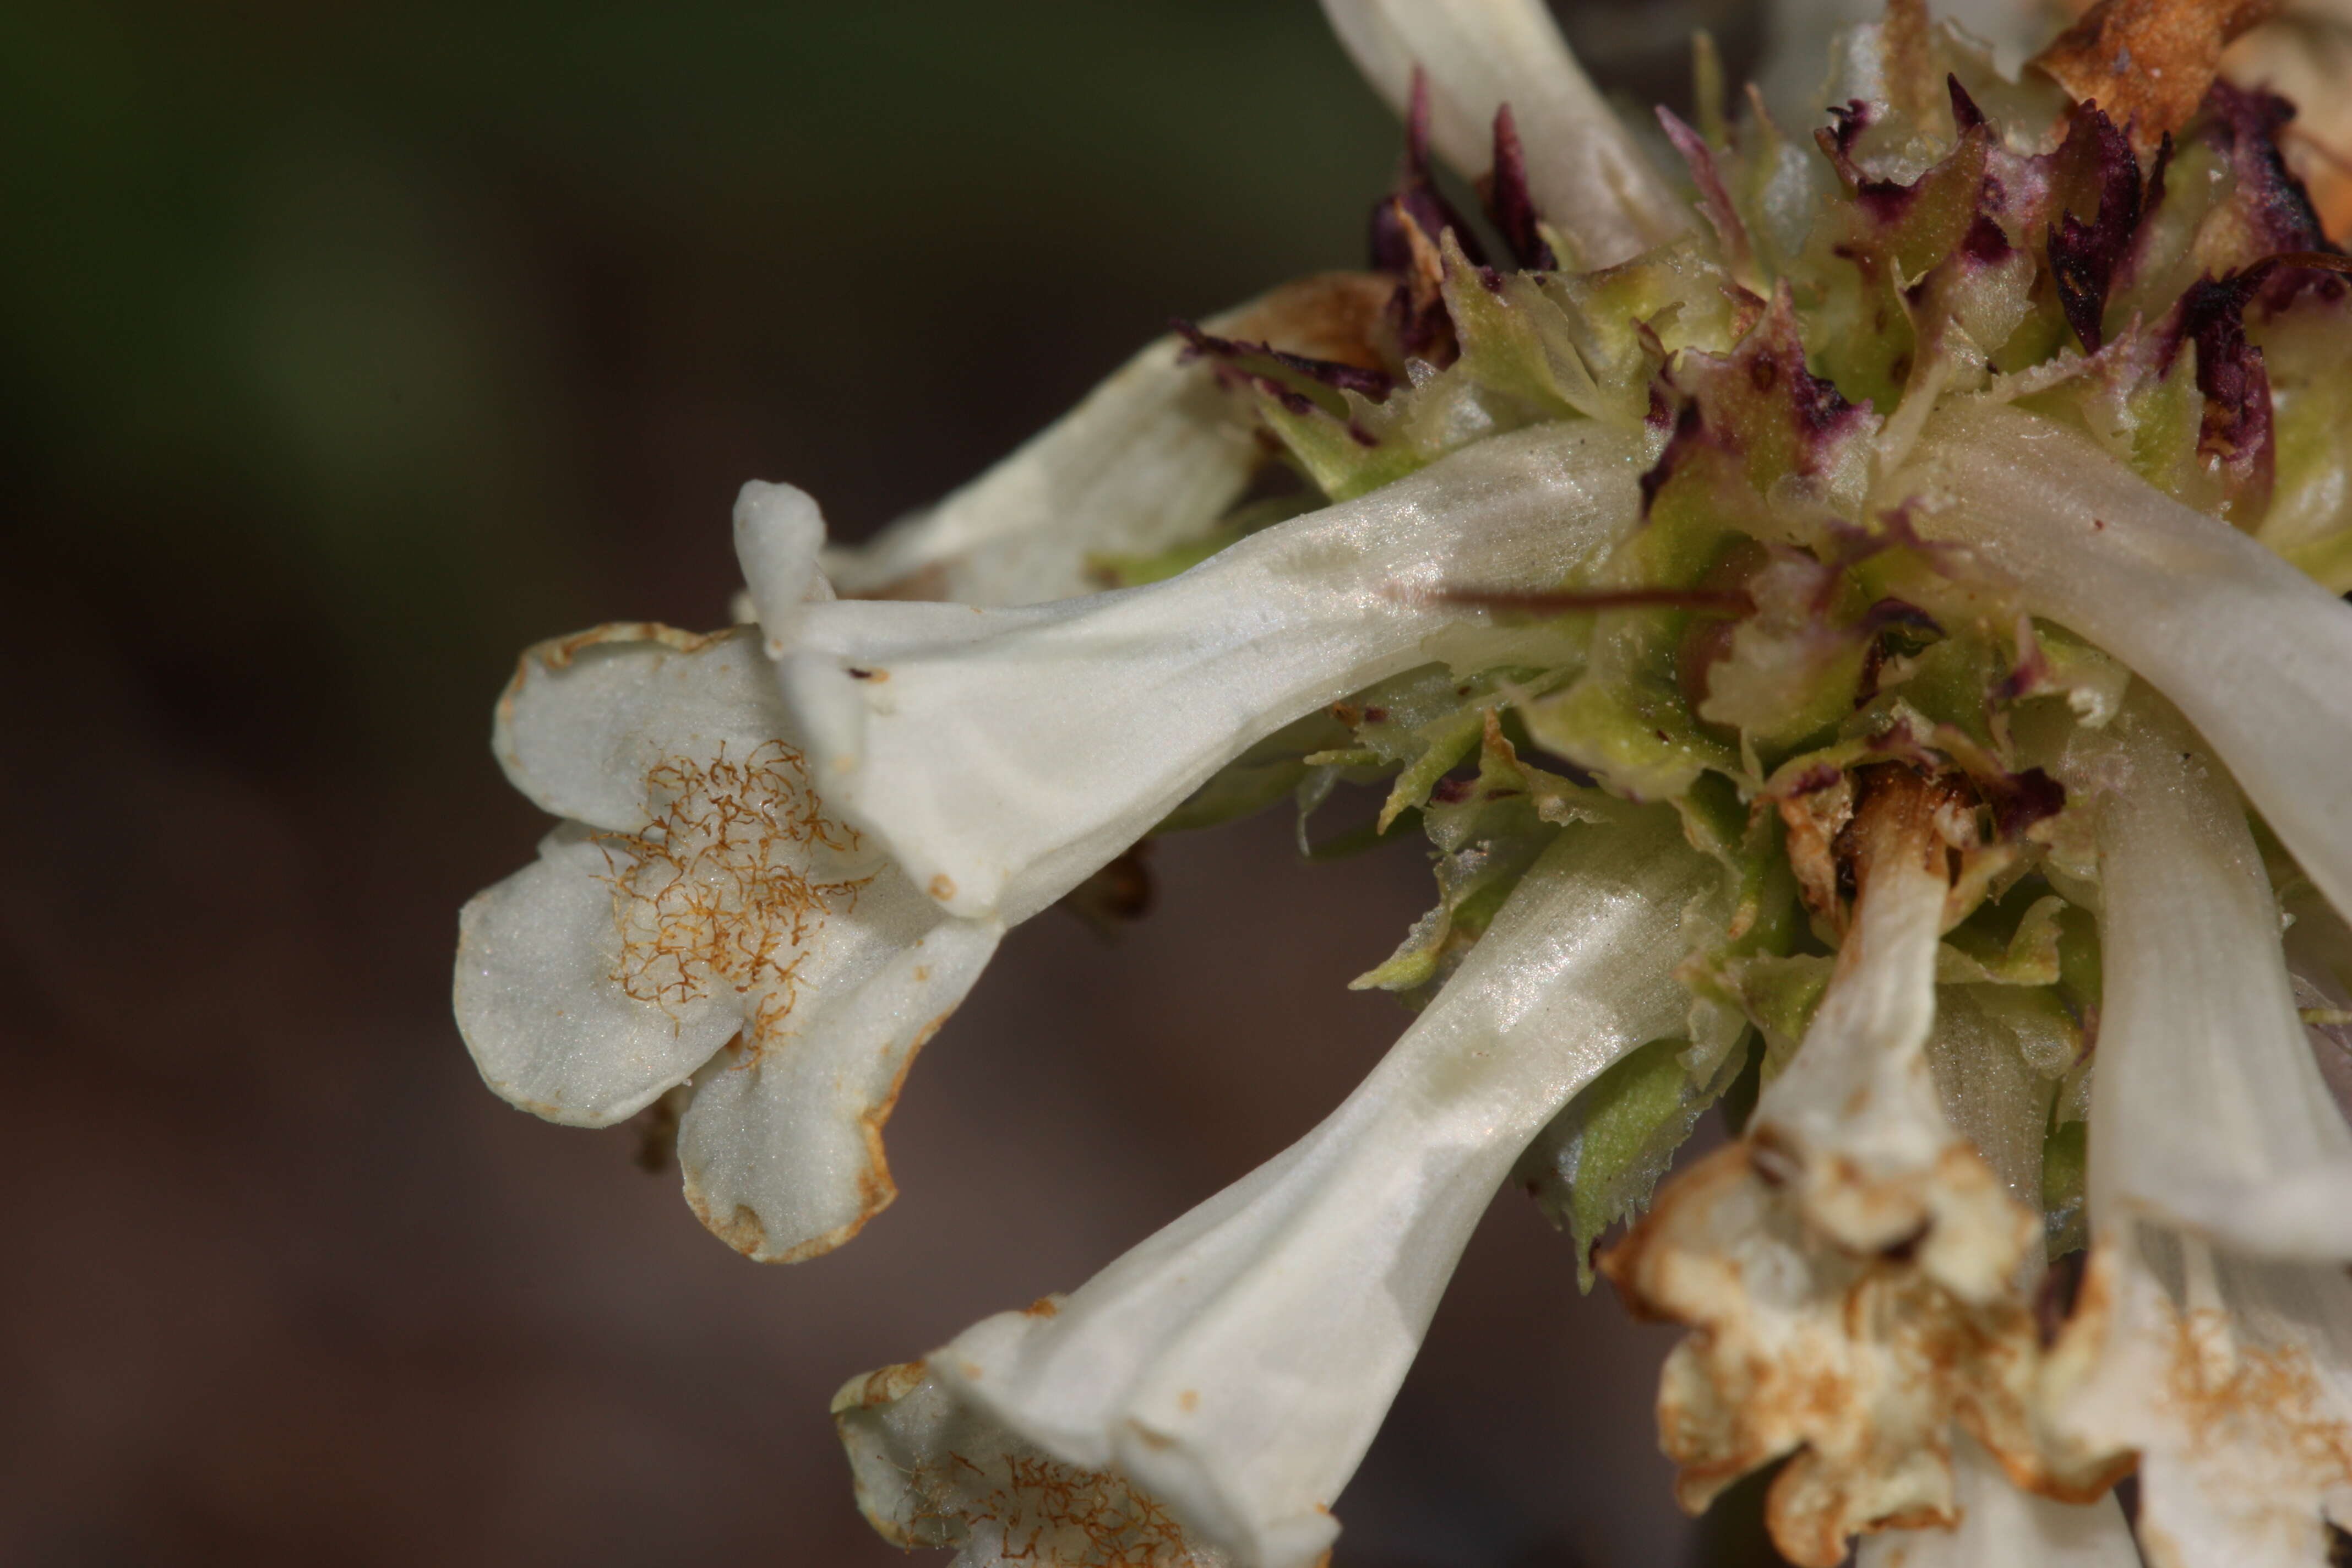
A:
x: 1590, y: 178
x: 783, y: 1144
x: 1004, y: 756
x: 2209, y: 1110
x: 778, y: 531
x: 2256, y: 655
x: 537, y: 1005
x: 1991, y: 1093
x: 933, y: 1471
x: 2231, y: 1373
x: 1149, y: 460
x: 1236, y: 1365
x: 2003, y: 1526
x: 588, y: 717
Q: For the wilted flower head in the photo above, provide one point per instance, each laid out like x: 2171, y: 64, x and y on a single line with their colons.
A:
x: 1855, y: 619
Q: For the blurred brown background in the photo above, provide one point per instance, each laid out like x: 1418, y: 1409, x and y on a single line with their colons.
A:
x: 345, y: 350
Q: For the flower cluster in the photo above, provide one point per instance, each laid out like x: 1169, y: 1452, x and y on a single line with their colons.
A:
x: 1856, y: 622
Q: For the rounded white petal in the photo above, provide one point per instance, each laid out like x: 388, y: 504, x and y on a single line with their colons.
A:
x: 781, y: 1146
x: 2209, y: 1111
x: 588, y: 716
x: 1590, y: 178
x: 1236, y: 1365
x: 1004, y: 756
x: 2255, y: 654
x: 778, y: 531
x: 538, y: 1006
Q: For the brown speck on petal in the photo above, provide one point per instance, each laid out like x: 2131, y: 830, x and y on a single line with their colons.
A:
x: 942, y: 886
x: 741, y: 1229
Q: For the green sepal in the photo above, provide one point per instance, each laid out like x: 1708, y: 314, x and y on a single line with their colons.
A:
x: 1975, y: 953
x: 1345, y: 458
x: 1472, y: 884
x: 1599, y: 1161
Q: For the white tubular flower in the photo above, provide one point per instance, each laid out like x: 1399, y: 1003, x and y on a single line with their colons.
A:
x: 1149, y: 460
x: 1004, y: 756
x: 2215, y: 1117
x: 1854, y: 1241
x: 1587, y: 174
x: 2216, y: 1334
x: 700, y: 919
x: 1855, y: 1125
x: 2251, y: 650
x: 1235, y: 1366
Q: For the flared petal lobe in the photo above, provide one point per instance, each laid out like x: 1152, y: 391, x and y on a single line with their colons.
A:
x: 1002, y: 756
x: 1235, y: 1366
x: 536, y: 1002
x: 1590, y: 178
x: 703, y: 919
x: 933, y: 1471
x: 782, y: 1147
x: 588, y: 717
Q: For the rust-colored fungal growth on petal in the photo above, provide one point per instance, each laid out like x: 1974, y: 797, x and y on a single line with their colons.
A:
x: 1052, y: 1513
x: 714, y: 892
x: 932, y: 1474
x: 2148, y: 62
x: 1859, y: 1366
x: 2256, y: 1397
